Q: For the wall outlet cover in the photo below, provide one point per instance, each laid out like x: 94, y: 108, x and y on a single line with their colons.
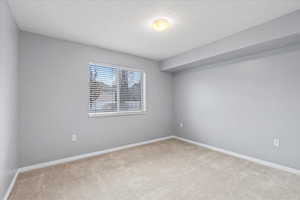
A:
x: 74, y: 137
x: 276, y: 142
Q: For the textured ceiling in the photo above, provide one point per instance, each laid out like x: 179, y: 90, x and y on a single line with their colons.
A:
x: 124, y: 25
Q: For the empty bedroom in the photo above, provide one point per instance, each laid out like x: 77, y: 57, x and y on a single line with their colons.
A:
x: 149, y: 100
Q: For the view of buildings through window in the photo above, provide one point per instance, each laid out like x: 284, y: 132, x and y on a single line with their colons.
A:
x: 115, y: 90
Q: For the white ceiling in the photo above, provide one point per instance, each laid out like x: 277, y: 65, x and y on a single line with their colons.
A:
x: 123, y: 25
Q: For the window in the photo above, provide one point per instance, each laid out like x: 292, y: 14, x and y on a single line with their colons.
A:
x: 115, y: 90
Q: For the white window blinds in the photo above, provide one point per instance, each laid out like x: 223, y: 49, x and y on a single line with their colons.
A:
x: 114, y: 90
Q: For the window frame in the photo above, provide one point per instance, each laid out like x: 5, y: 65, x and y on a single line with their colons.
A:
x: 120, y: 113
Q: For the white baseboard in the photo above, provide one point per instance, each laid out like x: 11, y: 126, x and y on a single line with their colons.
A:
x: 258, y: 161
x: 73, y: 158
x: 11, y: 185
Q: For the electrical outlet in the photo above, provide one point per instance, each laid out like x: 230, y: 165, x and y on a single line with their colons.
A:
x: 74, y: 137
x: 276, y: 142
x: 181, y: 124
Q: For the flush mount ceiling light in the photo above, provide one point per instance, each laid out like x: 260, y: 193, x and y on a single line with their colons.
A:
x: 161, y: 24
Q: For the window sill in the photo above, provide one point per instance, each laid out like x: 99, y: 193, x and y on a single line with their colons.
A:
x: 116, y: 114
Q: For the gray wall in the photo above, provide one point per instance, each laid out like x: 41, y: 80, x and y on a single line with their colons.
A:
x: 8, y: 97
x: 53, y: 99
x: 242, y: 105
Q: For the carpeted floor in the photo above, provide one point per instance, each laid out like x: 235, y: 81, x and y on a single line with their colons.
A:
x: 167, y: 170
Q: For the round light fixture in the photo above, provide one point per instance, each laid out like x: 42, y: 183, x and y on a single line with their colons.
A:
x: 161, y: 24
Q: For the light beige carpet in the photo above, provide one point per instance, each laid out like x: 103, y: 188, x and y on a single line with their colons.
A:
x: 167, y: 170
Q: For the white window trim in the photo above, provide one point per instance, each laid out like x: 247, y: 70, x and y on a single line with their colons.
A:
x: 123, y: 113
